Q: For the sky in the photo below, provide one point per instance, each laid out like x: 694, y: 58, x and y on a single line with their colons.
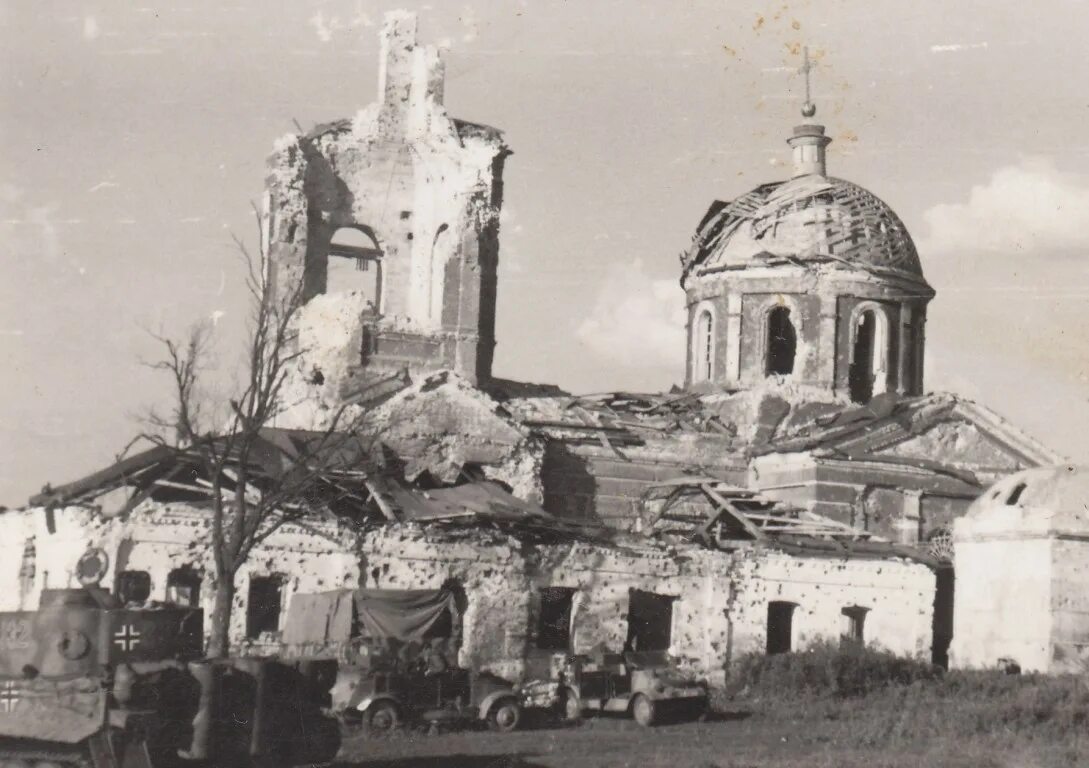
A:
x: 134, y: 138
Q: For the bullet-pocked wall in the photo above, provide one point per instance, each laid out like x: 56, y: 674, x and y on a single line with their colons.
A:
x: 705, y: 607
x: 409, y: 199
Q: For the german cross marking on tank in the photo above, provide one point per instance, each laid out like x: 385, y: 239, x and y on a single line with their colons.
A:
x: 127, y: 637
x: 8, y: 697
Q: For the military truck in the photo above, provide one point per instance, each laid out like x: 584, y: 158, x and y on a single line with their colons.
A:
x: 396, y: 652
x: 645, y: 685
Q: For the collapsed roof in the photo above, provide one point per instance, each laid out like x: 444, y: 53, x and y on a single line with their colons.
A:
x: 765, y: 421
x: 721, y: 516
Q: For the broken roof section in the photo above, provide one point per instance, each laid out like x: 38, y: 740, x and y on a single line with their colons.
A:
x: 775, y: 419
x: 355, y: 481
x: 721, y: 516
x: 888, y: 429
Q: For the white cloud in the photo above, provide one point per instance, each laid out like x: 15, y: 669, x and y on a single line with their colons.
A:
x: 637, y: 320
x: 1031, y: 207
x: 34, y: 226
x: 103, y: 185
x: 90, y: 28
x: 954, y: 47
x: 323, y: 26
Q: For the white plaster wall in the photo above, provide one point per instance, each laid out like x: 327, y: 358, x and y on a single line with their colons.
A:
x: 56, y: 554
x: 899, y: 596
x: 160, y: 538
x: 1069, y: 606
x: 1002, y: 605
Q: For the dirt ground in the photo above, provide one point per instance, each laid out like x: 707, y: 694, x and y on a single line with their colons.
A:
x: 730, y: 741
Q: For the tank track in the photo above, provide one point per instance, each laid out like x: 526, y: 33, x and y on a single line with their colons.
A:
x: 33, y: 753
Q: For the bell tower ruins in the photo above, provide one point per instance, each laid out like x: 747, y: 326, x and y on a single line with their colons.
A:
x: 389, y: 221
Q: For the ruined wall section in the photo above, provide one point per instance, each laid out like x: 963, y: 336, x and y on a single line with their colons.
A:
x: 425, y: 191
x: 896, y: 595
x: 491, y: 570
x: 161, y: 538
x: 698, y: 581
x: 718, y: 599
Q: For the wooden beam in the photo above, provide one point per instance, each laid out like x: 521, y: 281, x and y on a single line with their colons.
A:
x: 726, y: 507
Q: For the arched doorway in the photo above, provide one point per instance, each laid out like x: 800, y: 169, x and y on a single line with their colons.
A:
x: 782, y: 343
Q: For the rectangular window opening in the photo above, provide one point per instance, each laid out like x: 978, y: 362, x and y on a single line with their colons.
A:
x: 263, y: 605
x: 780, y: 627
x: 650, y: 621
x: 554, y: 619
x: 183, y: 587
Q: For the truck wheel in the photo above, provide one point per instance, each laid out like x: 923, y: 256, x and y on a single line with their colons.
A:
x: 504, y: 715
x: 351, y: 722
x: 382, y: 717
x: 642, y: 709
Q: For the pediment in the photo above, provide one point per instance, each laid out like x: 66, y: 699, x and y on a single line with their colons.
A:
x: 959, y: 443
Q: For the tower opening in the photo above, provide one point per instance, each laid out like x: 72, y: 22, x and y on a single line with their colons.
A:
x: 355, y: 265
x: 868, y: 374
x: 782, y: 343
x: 704, y: 351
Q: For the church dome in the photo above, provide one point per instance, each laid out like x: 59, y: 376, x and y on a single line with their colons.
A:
x: 811, y: 219
x: 1042, y: 500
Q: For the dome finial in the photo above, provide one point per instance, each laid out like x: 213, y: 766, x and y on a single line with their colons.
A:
x: 808, y: 108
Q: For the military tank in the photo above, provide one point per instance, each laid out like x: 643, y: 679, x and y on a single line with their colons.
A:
x: 88, y: 682
x: 85, y: 681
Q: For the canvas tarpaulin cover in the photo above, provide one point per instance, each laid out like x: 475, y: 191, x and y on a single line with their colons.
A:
x: 403, y: 614
x: 322, y: 619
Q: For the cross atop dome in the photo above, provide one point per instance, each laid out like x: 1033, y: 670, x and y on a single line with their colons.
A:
x: 808, y: 108
x: 808, y: 141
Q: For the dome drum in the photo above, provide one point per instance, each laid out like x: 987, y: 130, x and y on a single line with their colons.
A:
x: 813, y: 280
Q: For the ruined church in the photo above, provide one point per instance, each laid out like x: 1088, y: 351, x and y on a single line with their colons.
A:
x: 801, y: 484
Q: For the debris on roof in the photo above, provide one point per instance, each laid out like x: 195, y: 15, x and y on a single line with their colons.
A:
x: 721, y: 515
x: 718, y: 515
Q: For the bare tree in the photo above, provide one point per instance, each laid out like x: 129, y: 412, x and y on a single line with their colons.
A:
x: 248, y: 503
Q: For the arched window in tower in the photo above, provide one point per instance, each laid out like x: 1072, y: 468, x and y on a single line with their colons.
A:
x: 355, y: 265
x: 704, y: 352
x: 868, y: 374
x: 782, y: 343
